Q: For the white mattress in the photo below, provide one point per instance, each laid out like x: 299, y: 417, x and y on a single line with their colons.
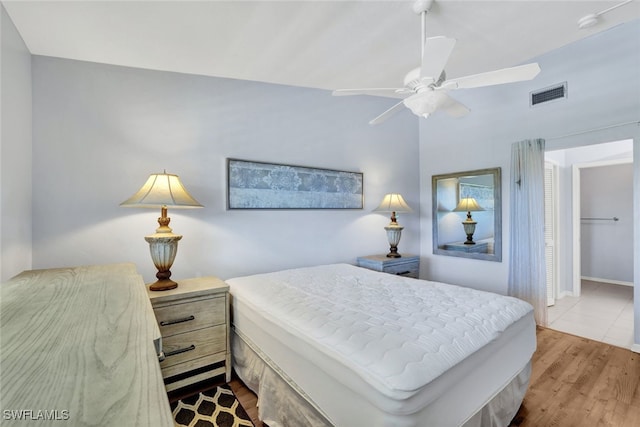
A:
x: 397, y: 347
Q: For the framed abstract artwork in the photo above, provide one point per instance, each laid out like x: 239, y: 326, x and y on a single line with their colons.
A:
x: 260, y: 185
x: 484, y: 194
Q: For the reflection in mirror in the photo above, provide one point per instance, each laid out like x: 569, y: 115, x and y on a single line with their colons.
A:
x: 467, y: 214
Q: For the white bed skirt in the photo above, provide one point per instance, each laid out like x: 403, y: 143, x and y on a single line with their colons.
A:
x: 282, y: 404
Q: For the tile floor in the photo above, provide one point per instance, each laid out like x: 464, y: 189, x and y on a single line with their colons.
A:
x: 603, y: 312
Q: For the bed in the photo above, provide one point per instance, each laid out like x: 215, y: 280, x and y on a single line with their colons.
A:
x: 339, y: 345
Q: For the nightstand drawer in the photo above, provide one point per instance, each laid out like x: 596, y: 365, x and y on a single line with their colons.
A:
x: 194, y: 322
x: 406, y: 269
x: 174, y: 375
x: 189, y: 316
x: 407, y: 265
x: 193, y: 345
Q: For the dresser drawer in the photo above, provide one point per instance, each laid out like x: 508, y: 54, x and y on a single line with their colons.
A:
x: 189, y: 316
x: 193, y: 345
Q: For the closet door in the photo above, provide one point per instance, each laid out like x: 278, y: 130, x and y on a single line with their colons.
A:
x: 550, y: 229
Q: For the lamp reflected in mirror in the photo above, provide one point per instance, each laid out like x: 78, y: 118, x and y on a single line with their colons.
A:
x: 477, y: 193
x: 468, y: 205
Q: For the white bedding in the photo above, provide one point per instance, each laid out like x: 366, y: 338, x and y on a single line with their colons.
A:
x: 396, y: 345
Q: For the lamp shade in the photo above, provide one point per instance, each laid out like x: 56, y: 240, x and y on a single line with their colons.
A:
x: 162, y: 189
x: 468, y: 204
x: 393, y: 202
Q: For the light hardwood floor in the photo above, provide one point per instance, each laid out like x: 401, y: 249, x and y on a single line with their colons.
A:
x: 575, y: 382
x: 247, y: 399
x: 580, y: 382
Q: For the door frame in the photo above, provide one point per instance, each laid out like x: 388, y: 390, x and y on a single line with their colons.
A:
x: 555, y: 215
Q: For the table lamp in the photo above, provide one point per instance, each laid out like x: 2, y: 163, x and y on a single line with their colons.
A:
x: 160, y: 191
x: 468, y: 205
x: 393, y: 203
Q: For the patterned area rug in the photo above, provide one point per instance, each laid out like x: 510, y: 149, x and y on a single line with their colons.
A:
x: 217, y: 407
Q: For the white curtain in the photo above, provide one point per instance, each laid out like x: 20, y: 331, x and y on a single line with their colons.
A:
x: 527, y: 268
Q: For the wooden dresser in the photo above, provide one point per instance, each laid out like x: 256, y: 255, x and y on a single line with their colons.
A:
x: 194, y: 322
x: 77, y: 348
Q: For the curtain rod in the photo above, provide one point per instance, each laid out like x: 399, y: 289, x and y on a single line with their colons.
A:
x: 637, y: 122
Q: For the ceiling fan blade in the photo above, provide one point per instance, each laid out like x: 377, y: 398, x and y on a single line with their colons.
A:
x: 452, y: 107
x: 388, y: 92
x: 505, y: 75
x: 435, y: 56
x: 390, y: 112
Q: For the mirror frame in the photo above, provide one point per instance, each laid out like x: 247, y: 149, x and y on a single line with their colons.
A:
x: 497, y: 216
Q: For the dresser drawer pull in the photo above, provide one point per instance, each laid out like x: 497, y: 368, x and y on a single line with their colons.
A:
x: 173, y: 322
x: 402, y: 273
x: 180, y: 350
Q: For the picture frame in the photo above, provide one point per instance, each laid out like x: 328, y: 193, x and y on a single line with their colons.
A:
x: 483, y: 194
x: 262, y: 185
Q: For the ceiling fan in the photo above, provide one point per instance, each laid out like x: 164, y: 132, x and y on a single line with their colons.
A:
x: 425, y: 88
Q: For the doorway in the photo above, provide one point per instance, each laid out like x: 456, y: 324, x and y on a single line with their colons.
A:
x: 588, y: 300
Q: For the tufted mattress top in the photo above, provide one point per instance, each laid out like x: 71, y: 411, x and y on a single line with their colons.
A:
x: 397, y: 334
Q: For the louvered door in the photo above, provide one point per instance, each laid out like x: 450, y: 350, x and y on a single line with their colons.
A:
x: 550, y: 230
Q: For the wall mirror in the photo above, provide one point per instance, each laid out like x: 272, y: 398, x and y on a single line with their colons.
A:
x: 467, y: 214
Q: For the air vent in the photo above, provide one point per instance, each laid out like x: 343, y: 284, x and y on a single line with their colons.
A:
x: 548, y: 94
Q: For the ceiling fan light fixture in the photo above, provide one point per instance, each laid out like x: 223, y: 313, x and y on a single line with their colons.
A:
x: 423, y: 104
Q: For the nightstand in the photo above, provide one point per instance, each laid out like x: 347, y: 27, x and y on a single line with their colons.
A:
x: 194, y: 322
x: 479, y: 247
x: 407, y: 265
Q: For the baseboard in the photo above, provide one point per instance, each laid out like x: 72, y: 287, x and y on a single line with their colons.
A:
x: 635, y: 348
x: 613, y: 282
x: 564, y: 294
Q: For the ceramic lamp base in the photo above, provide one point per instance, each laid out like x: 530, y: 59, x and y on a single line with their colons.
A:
x: 469, y: 229
x: 394, y: 233
x: 163, y: 285
x: 163, y: 247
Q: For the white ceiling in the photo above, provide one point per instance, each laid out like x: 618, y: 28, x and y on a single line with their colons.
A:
x: 319, y: 44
